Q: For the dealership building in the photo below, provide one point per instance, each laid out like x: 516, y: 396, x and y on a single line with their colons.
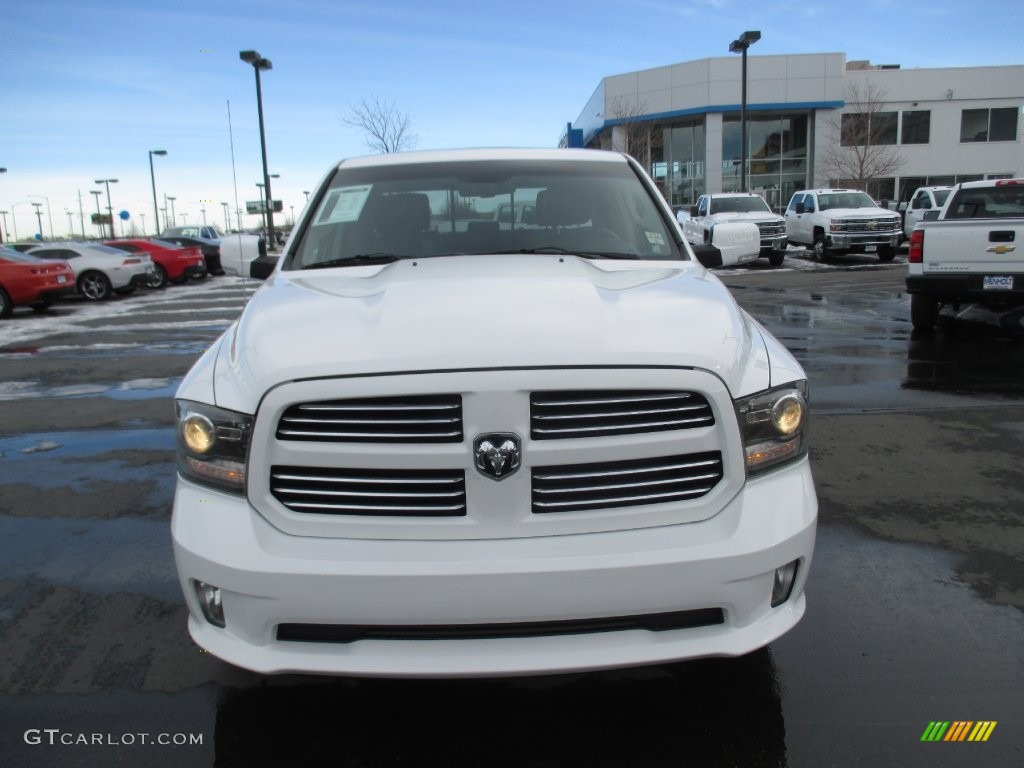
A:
x: 935, y: 126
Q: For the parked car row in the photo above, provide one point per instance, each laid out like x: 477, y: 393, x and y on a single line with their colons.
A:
x: 36, y: 274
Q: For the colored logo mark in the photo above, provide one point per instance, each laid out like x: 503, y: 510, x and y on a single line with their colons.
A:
x: 958, y: 730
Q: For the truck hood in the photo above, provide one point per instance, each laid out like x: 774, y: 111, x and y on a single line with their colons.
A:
x: 862, y: 213
x: 745, y: 216
x: 475, y: 312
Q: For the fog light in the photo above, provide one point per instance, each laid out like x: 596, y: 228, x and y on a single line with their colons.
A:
x: 209, y: 601
x: 785, y: 577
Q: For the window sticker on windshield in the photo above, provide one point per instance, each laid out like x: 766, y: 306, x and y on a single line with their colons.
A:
x: 343, y: 204
x: 655, y: 238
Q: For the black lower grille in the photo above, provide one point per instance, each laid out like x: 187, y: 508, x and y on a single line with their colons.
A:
x: 350, y: 633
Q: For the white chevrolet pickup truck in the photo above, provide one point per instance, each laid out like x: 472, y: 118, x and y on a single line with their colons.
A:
x: 828, y: 221
x: 970, y: 253
x: 441, y: 442
x: 733, y: 207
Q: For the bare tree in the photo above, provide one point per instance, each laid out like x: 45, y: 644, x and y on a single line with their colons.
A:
x: 638, y: 136
x: 387, y: 129
x: 864, y: 144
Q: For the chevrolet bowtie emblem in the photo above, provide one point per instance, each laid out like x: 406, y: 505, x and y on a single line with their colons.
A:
x: 1000, y: 249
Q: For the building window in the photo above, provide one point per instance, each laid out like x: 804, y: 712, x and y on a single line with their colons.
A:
x: 860, y: 129
x: 989, y: 124
x: 916, y: 127
x: 684, y: 179
x: 776, y: 158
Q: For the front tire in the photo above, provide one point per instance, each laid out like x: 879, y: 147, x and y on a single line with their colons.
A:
x: 820, y: 248
x: 924, y: 311
x: 776, y: 258
x: 95, y: 286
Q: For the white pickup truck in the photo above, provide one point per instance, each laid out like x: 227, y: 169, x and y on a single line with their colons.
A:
x: 439, y: 444
x: 829, y: 221
x: 923, y: 200
x: 970, y: 252
x: 734, y: 207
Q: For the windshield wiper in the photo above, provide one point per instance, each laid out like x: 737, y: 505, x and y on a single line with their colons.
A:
x: 359, y: 258
x: 554, y: 249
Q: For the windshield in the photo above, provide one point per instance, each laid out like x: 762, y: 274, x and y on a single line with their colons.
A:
x: 593, y: 209
x: 739, y: 205
x: 845, y: 200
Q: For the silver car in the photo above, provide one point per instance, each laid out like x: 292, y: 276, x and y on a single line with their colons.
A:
x: 99, y: 269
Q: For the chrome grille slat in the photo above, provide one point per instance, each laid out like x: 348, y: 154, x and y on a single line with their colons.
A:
x: 597, y: 413
x: 370, y: 492
x: 636, y: 482
x: 393, y: 419
x: 639, y: 470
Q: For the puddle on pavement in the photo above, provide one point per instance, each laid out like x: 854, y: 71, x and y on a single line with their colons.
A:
x: 136, y: 389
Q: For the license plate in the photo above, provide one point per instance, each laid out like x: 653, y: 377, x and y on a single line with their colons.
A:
x: 870, y: 248
x: 997, y: 283
x: 62, y: 278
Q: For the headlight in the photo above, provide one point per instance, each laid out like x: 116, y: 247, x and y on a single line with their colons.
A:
x: 213, y: 445
x: 773, y: 425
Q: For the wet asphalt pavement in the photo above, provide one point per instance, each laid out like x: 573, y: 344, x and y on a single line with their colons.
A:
x: 915, y: 599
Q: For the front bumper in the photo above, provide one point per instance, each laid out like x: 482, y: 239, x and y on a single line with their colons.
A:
x: 775, y: 243
x: 844, y: 241
x: 269, y: 578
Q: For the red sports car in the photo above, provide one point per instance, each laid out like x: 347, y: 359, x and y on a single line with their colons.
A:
x: 173, y: 262
x: 28, y: 281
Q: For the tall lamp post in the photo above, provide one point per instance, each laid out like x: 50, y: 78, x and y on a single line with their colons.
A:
x: 110, y: 208
x: 174, y: 219
x: 227, y: 223
x: 152, y: 180
x: 49, y: 215
x: 740, y: 46
x: 39, y: 218
x: 258, y: 63
x: 96, y: 195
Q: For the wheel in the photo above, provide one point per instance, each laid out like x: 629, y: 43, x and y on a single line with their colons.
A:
x: 159, y: 279
x: 94, y: 286
x: 924, y: 310
x: 776, y: 258
x: 886, y: 253
x: 6, y: 305
x: 820, y: 248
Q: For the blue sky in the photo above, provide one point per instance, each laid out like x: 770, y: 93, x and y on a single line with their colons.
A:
x: 89, y: 87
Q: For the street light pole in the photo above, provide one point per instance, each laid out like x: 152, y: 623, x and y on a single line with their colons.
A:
x: 49, y: 215
x: 96, y: 194
x: 152, y: 179
x: 227, y: 223
x: 174, y: 219
x: 263, y: 207
x: 110, y: 208
x: 740, y: 45
x: 39, y: 218
x: 258, y: 63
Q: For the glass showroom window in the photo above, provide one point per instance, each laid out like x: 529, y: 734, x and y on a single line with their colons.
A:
x: 684, y: 161
x: 777, y: 155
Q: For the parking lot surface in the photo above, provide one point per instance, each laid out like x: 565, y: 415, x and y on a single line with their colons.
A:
x: 915, y: 598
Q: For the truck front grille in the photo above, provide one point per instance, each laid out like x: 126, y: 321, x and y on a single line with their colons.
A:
x: 578, y: 487
x: 771, y: 228
x: 871, y: 226
x: 373, y: 492
x: 405, y: 419
x: 595, y: 413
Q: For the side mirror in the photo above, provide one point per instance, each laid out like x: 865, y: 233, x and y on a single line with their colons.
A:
x: 708, y: 255
x: 263, y: 267
x: 800, y: 208
x: 932, y: 215
x: 693, y: 211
